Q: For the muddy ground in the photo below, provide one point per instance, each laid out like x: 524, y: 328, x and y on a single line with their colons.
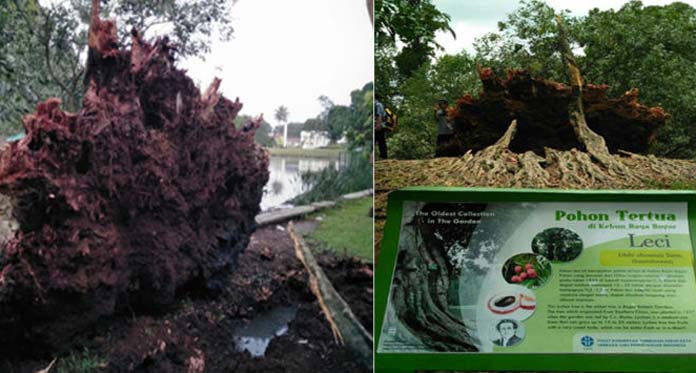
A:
x: 197, y: 334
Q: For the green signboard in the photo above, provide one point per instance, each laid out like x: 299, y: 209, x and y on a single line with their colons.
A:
x: 498, y: 279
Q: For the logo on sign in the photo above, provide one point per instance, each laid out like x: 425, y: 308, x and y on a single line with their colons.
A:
x: 587, y: 341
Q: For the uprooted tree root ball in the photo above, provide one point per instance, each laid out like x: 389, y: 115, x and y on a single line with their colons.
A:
x: 146, y: 193
x: 541, y: 109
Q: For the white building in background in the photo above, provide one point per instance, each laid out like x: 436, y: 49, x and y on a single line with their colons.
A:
x: 314, y: 139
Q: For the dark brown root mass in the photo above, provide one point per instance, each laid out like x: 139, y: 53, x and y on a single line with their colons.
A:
x: 541, y: 110
x: 147, y: 192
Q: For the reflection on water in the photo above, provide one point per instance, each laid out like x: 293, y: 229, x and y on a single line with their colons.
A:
x: 285, y: 179
x: 256, y: 336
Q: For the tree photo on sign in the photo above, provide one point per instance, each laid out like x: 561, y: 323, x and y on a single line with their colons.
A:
x: 557, y: 244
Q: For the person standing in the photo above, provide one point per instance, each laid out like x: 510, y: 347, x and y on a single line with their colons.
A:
x: 380, y: 127
x: 444, y: 128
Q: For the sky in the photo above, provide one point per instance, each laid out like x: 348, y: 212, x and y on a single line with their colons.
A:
x: 290, y: 53
x: 471, y: 19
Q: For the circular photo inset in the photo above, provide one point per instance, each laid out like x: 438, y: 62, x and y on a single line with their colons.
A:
x: 506, y: 332
x: 557, y: 244
x: 516, y: 302
x: 529, y: 270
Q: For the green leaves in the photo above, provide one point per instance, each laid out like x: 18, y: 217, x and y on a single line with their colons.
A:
x: 356, y: 121
x: 450, y: 77
x: 263, y: 133
x: 653, y: 49
x: 405, y: 35
x: 557, y: 244
x: 42, y: 49
x: 281, y: 114
x: 528, y: 39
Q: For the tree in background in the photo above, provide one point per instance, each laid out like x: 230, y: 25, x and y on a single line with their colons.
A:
x: 281, y: 115
x: 359, y: 135
x: 354, y: 121
x: 449, y: 77
x: 43, y: 49
x: 652, y: 48
x: 263, y: 133
x: 527, y: 39
x: 413, y: 25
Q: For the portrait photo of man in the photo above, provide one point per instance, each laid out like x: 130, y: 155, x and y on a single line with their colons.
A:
x: 507, y: 330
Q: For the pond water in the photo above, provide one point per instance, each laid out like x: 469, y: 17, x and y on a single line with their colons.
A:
x: 257, y: 334
x: 285, y: 179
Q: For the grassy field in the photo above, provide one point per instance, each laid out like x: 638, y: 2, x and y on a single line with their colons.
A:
x: 332, y: 152
x: 346, y: 228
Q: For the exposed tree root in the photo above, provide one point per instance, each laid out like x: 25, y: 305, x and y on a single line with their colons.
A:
x: 530, y: 171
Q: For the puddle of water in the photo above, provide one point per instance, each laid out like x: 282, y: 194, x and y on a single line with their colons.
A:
x: 257, y: 334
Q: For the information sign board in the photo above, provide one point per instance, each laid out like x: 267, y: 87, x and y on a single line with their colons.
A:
x: 496, y: 279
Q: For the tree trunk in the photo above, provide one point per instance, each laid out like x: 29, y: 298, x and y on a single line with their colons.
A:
x: 594, y: 144
x: 421, y: 284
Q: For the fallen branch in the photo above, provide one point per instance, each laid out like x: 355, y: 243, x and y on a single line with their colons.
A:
x: 344, y: 325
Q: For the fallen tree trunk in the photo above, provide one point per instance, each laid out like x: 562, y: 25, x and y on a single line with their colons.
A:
x: 147, y: 192
x: 346, y: 328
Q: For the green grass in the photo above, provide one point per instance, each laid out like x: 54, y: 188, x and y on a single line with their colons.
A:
x: 673, y: 185
x: 332, y: 152
x: 346, y: 228
x: 685, y: 185
x: 80, y: 362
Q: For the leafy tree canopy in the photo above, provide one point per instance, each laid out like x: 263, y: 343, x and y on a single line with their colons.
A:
x: 405, y: 39
x: 652, y: 48
x: 43, y: 48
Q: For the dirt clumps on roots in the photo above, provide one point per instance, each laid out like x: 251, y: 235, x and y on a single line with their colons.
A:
x: 541, y: 109
x: 147, y: 193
